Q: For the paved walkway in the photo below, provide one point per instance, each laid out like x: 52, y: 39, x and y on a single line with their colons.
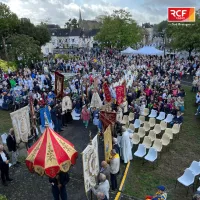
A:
x: 27, y: 186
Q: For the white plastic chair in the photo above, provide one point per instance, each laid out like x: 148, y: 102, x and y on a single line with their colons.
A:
x: 161, y: 116
x: 141, y: 151
x: 146, y: 112
x: 157, y: 145
x: 135, y: 139
x: 147, y: 142
x: 141, y: 132
x: 131, y: 116
x: 163, y: 125
x: 152, y: 135
x: 169, y: 118
x: 153, y: 113
x: 137, y: 123
x: 165, y: 139
x: 142, y: 119
x: 152, y: 122
x: 152, y: 155
x: 146, y: 126
x: 187, y: 179
x: 157, y: 129
x: 195, y: 167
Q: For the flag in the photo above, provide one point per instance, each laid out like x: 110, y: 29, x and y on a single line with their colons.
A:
x: 107, y: 92
x: 120, y: 94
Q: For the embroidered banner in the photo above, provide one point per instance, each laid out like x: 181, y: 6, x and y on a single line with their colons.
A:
x: 107, y: 118
x: 21, y: 124
x: 120, y: 94
x: 107, y: 92
x: 90, y: 159
x: 107, y: 143
x: 59, y: 84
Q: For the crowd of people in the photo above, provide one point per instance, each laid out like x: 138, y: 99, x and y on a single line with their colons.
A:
x: 152, y: 82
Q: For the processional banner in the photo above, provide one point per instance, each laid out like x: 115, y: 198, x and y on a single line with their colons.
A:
x: 90, y: 158
x: 107, y: 118
x: 120, y: 94
x: 107, y: 143
x: 21, y: 124
x: 59, y: 84
x: 107, y: 92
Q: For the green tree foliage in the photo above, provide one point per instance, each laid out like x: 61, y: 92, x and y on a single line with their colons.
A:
x: 119, y: 30
x: 39, y: 32
x: 8, y: 21
x: 8, y: 24
x: 71, y: 23
x: 25, y: 47
x: 162, y: 26
x: 42, y: 34
x: 185, y: 36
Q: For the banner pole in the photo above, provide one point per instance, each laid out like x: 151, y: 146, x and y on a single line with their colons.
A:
x: 91, y: 196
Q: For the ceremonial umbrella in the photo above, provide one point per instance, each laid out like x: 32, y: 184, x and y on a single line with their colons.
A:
x: 51, y: 154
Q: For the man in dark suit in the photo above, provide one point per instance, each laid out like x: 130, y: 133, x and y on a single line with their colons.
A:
x: 12, y: 146
x: 4, y: 166
x: 59, y: 185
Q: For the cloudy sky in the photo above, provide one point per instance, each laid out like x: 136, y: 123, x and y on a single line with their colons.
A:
x: 59, y: 11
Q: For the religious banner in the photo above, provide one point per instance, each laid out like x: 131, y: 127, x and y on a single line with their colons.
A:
x: 90, y: 159
x: 120, y: 94
x: 59, y: 84
x: 107, y: 143
x: 107, y: 92
x: 107, y: 118
x: 21, y: 124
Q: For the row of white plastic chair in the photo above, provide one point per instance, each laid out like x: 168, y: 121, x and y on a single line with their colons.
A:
x: 161, y: 115
x: 151, y: 156
x: 188, y: 178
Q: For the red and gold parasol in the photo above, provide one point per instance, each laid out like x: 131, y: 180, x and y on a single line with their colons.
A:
x: 51, y: 154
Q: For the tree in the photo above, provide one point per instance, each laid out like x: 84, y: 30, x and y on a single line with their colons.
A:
x: 185, y: 36
x: 71, y: 23
x: 119, y: 30
x: 39, y: 32
x: 42, y: 34
x: 25, y: 47
x: 162, y: 26
x: 8, y: 24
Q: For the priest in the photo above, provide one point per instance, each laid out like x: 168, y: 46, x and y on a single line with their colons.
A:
x: 126, y: 147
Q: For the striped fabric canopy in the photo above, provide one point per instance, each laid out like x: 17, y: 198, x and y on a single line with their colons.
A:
x: 51, y: 154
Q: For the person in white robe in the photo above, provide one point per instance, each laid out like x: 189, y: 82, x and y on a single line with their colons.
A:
x: 126, y: 147
x: 119, y: 115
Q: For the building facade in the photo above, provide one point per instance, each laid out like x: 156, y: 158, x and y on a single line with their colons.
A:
x: 62, y: 38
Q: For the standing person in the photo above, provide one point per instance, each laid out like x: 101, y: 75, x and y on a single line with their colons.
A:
x: 126, y: 147
x: 103, y: 186
x: 59, y: 185
x: 105, y: 169
x: 116, y: 146
x: 114, y: 168
x: 12, y: 146
x: 4, y: 166
x: 85, y: 116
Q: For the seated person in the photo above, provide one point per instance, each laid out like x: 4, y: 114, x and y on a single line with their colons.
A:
x: 160, y: 194
x: 178, y: 119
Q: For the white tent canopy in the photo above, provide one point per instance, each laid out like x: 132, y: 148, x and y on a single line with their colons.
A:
x: 129, y: 50
x: 149, y: 50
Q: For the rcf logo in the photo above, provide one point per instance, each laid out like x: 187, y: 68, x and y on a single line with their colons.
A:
x: 181, y: 14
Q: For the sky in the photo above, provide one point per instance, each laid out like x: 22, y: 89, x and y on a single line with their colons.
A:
x: 59, y: 11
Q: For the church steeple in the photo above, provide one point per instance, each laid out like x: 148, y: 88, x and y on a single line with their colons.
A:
x: 80, y: 17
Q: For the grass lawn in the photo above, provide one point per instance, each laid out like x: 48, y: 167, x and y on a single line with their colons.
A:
x: 143, y: 180
x: 5, y: 121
